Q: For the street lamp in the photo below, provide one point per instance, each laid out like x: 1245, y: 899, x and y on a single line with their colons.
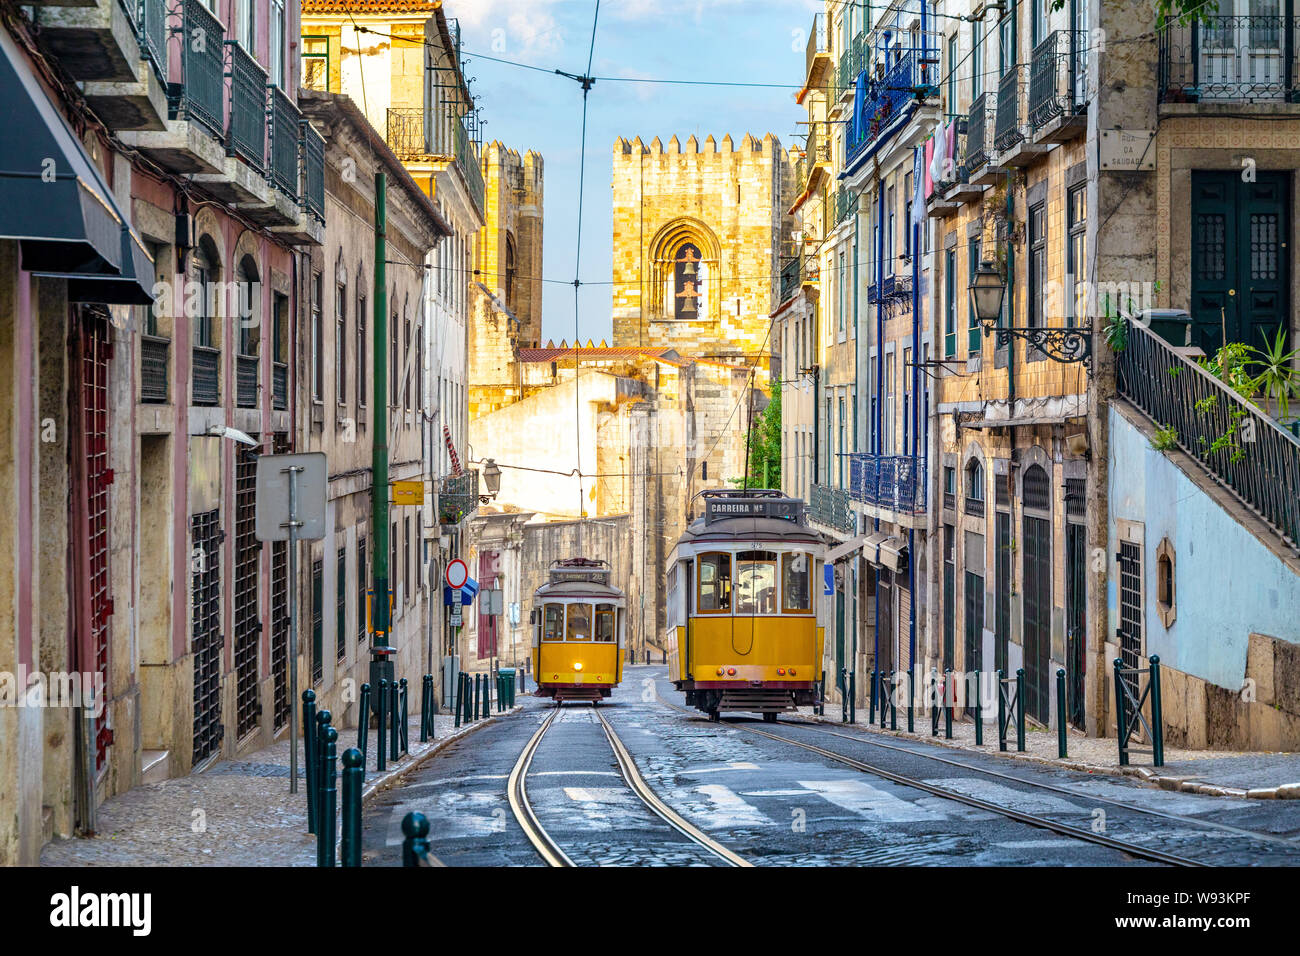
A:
x: 987, y: 289
x: 492, y: 477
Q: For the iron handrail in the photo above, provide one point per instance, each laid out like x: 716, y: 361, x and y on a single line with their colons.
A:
x: 1128, y: 709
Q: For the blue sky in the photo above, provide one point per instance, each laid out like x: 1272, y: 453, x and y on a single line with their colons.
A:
x: 733, y: 40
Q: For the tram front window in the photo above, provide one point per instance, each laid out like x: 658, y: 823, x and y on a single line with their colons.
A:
x: 714, y: 595
x: 795, y: 574
x: 553, y: 623
x: 756, y: 582
x: 579, y: 625
x: 605, y: 623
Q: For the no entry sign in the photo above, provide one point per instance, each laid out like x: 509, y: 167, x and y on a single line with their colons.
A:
x: 457, y: 574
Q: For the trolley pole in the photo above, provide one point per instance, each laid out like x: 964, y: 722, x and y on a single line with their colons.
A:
x: 381, y: 659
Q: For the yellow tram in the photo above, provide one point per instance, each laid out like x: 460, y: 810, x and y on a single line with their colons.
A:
x: 578, y: 620
x: 743, y: 630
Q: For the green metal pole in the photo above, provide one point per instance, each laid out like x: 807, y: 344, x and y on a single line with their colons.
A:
x: 979, y: 713
x: 1002, y: 713
x: 354, y: 776
x: 380, y: 607
x: 1020, y: 709
x: 1121, y: 730
x: 1157, y: 717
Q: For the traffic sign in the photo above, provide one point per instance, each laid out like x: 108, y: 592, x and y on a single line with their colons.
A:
x: 457, y: 574
x: 408, y: 492
x: 271, y: 501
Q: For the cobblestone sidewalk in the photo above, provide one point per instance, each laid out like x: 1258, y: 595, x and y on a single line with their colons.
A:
x: 1214, y: 772
x: 234, y: 813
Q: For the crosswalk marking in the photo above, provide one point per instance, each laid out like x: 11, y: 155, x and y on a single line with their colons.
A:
x: 728, y: 809
x: 1003, y: 796
x: 867, y: 801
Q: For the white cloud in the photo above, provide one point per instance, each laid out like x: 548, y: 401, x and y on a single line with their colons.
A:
x: 511, y: 29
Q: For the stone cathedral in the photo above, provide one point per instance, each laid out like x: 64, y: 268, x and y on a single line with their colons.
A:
x: 698, y: 234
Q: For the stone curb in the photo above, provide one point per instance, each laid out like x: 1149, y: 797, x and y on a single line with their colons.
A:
x: 1288, y: 791
x: 394, y: 776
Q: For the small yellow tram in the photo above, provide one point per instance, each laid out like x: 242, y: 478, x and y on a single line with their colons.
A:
x: 578, y: 619
x: 743, y: 631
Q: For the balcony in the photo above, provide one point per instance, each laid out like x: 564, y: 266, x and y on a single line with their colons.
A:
x: 791, y: 278
x: 205, y: 372
x: 457, y: 498
x: 416, y: 136
x: 116, y: 51
x: 285, y: 122
x: 980, y: 124
x: 895, y: 483
x: 973, y: 506
x: 888, y: 97
x: 895, y: 287
x: 313, y: 149
x: 246, y: 133
x: 1010, y: 127
x: 200, y: 95
x: 406, y: 134
x: 830, y: 507
x: 279, y: 386
x: 468, y: 161
x: 153, y: 369
x: 246, y: 381
x: 1058, y: 78
x: 853, y: 60
x: 1229, y: 59
x: 846, y: 204
x: 817, y: 56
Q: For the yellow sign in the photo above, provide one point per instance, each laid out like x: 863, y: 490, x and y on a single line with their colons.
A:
x: 408, y: 492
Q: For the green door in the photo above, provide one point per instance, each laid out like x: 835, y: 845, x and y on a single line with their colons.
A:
x: 1239, y: 257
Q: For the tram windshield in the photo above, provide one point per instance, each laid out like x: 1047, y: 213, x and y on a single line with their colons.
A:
x: 553, y: 624
x: 714, y: 595
x: 756, y: 582
x: 579, y: 625
x: 605, y: 623
x: 795, y: 575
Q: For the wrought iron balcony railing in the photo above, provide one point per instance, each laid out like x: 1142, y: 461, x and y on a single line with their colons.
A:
x: 1211, y: 422
x: 246, y: 131
x: 279, y: 386
x: 979, y: 129
x: 1007, y: 130
x: 153, y: 369
x: 830, y: 507
x: 896, y: 482
x: 1230, y: 59
x: 246, y: 381
x: 887, y: 97
x: 200, y: 94
x: 151, y: 21
x: 457, y: 497
x: 407, y: 134
x: 468, y: 160
x: 853, y: 60
x: 205, y: 375
x: 313, y: 158
x: 816, y: 43
x: 285, y: 132
x: 1057, y: 77
x: 973, y: 506
x: 846, y: 204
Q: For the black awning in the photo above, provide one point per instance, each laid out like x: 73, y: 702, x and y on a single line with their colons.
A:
x: 133, y: 287
x: 52, y: 198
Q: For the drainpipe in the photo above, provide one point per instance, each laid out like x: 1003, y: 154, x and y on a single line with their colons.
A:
x: 916, y: 431
x: 880, y: 362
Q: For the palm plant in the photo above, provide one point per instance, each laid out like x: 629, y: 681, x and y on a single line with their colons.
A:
x: 1274, y: 372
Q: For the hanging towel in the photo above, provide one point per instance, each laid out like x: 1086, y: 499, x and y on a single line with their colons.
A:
x: 929, y: 153
x: 951, y: 154
x: 937, y: 157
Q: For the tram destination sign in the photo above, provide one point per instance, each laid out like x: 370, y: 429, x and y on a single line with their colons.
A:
x: 719, y: 509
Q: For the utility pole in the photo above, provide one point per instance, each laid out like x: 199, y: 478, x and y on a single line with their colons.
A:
x: 381, y: 652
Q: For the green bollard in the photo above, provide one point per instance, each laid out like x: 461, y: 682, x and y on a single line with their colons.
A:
x: 1060, y: 713
x: 426, y: 709
x: 329, y: 795
x: 893, y: 701
x: 381, y: 736
x: 323, y: 720
x: 934, y: 704
x: 979, y: 713
x: 456, y: 700
x: 363, y: 721
x: 309, y: 754
x: 406, y: 719
x: 911, y: 700
x: 853, y: 696
x: 1157, y: 716
x: 1002, y: 713
x: 1020, y: 709
x: 875, y: 689
x: 394, y: 716
x: 477, y: 682
x: 354, y: 778
x: 948, y: 695
x: 415, y: 843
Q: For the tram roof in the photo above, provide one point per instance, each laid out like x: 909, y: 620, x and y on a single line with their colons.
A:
x: 579, y: 589
x: 741, y: 529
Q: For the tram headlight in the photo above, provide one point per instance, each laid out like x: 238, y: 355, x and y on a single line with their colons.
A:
x: 577, y: 665
x: 721, y: 671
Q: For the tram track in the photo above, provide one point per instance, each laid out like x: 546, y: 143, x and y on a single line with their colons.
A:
x: 550, y: 850
x: 1030, y: 819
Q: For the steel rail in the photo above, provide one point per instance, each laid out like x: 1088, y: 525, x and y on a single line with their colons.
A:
x: 627, y: 767
x: 1157, y: 856
x: 517, y: 793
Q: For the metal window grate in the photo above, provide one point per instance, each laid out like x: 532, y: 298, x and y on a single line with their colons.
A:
x: 1130, y: 611
x: 1001, y: 491
x: 317, y: 622
x: 152, y: 24
x: 205, y: 371
x: 246, y: 381
x: 361, y: 588
x: 341, y: 604
x: 95, y: 478
x: 248, y: 626
x: 1076, y: 497
x: 280, y: 616
x: 1002, y: 597
x: 153, y: 369
x: 1037, y: 492
x: 246, y: 135
x: 206, y: 639
x: 1007, y: 128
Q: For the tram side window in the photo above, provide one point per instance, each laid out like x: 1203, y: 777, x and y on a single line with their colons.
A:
x: 795, y: 574
x: 756, y: 582
x: 605, y: 623
x: 579, y: 628
x: 714, y: 595
x: 553, y: 625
